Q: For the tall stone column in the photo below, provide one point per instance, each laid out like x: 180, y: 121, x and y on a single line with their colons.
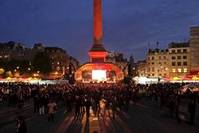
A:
x: 98, y: 30
x: 97, y: 53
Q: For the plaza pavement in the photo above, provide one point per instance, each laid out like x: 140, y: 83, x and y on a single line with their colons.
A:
x: 144, y: 117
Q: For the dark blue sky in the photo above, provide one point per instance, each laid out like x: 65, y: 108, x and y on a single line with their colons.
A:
x: 129, y: 25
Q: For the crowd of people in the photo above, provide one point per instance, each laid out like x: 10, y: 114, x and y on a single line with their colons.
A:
x: 80, y: 98
x: 180, y: 104
x: 103, y: 100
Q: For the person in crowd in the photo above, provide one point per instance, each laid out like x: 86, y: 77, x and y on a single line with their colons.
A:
x: 77, y: 106
x: 102, y: 99
x: 36, y: 103
x: 177, y: 110
x: 192, y: 110
x: 21, y: 125
x: 42, y: 104
x: 87, y: 106
x: 52, y: 107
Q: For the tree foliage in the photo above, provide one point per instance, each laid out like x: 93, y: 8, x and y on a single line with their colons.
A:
x: 12, y: 64
x: 42, y: 63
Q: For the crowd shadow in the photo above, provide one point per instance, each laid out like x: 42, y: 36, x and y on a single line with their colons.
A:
x: 79, y: 125
x: 115, y: 125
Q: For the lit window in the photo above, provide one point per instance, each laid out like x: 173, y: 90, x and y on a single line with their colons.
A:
x: 173, y: 70
x: 185, y: 70
x: 179, y: 70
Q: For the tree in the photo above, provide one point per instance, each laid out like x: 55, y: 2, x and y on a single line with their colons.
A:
x: 42, y: 63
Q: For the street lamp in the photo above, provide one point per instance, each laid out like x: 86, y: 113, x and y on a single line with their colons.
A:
x: 56, y: 73
x: 2, y: 70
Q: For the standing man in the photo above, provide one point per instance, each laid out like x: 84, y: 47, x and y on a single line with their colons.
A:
x: 192, y: 109
x: 52, y: 107
x: 21, y: 125
x: 87, y: 104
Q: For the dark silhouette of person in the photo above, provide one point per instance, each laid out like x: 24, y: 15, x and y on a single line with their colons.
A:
x: 21, y: 125
x: 192, y: 111
x: 87, y: 105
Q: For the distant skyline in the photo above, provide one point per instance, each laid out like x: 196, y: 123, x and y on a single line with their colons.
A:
x: 129, y: 25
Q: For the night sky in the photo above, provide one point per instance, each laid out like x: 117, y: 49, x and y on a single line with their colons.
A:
x: 129, y: 25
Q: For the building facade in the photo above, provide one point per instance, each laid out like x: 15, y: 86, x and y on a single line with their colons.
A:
x: 194, y: 47
x: 16, y: 58
x: 157, y: 63
x: 180, y: 61
x: 119, y: 60
x: 141, y: 68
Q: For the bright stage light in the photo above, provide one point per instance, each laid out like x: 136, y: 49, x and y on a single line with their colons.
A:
x: 99, y: 75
